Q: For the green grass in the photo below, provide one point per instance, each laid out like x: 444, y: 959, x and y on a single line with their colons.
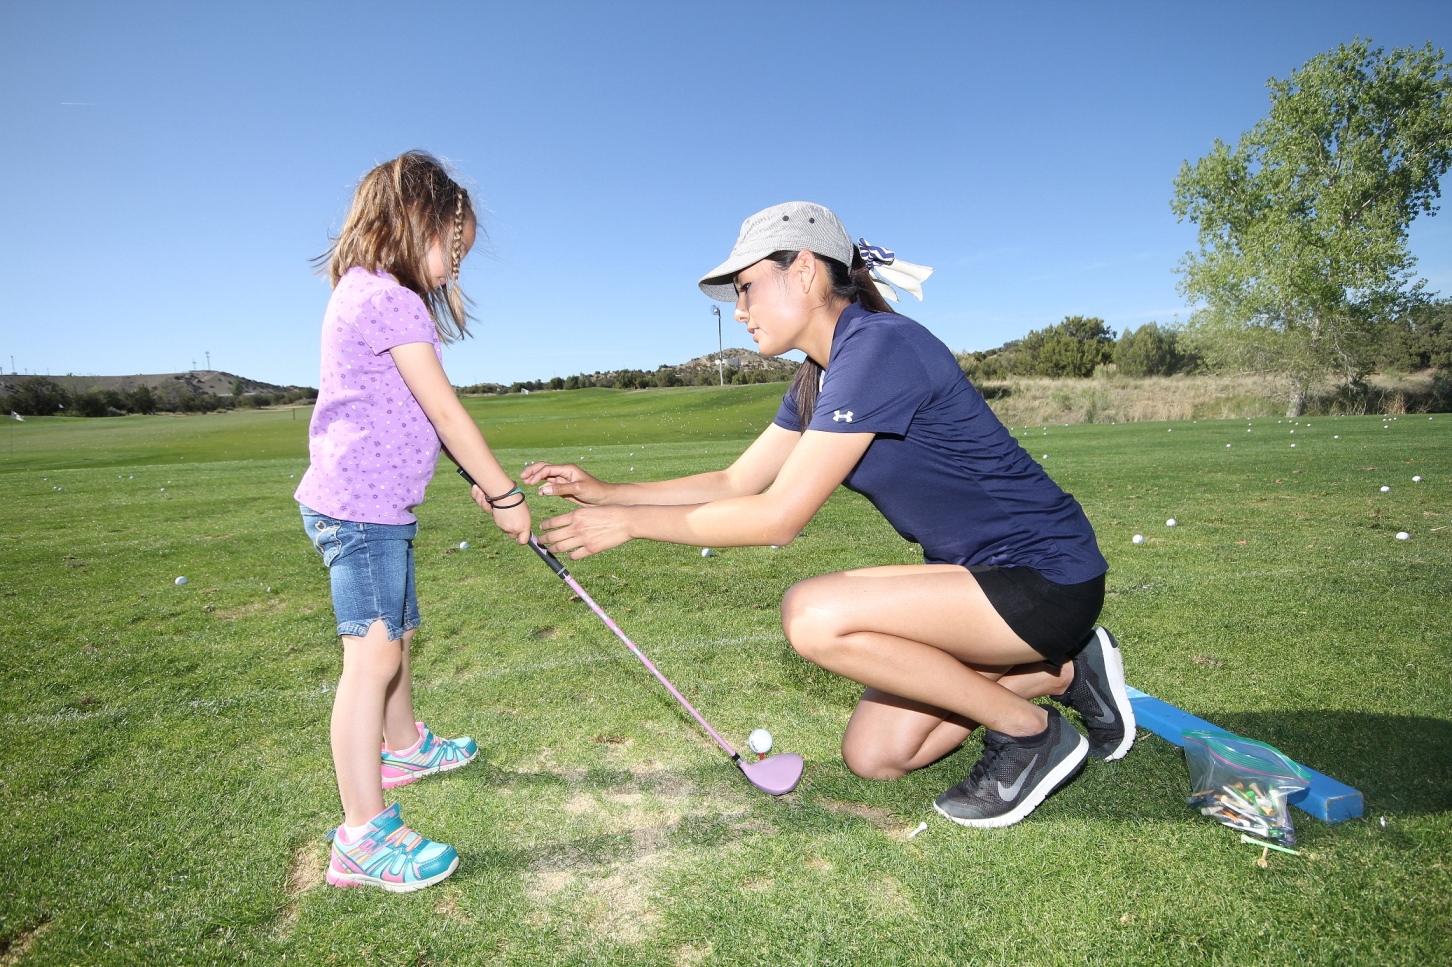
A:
x: 167, y: 784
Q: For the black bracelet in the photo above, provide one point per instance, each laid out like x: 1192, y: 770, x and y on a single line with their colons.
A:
x: 494, y: 506
x: 504, y: 496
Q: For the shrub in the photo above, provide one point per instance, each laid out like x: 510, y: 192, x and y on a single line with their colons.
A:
x: 1147, y: 351
x: 37, y: 396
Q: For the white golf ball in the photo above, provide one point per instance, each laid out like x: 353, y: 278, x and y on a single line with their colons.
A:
x: 1138, y: 539
x: 705, y: 552
x: 1416, y: 480
x: 463, y: 545
x: 1172, y: 523
x: 1227, y: 446
x: 182, y: 579
x: 1386, y: 490
x: 760, y: 741
x: 1403, y: 536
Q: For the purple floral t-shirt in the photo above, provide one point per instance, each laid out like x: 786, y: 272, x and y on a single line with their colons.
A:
x: 371, y: 449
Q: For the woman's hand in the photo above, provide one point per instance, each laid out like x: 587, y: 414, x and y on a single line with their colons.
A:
x: 586, y: 531
x: 568, y: 481
x: 514, y: 520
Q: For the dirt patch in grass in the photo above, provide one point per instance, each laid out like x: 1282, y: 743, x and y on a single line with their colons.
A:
x: 306, y: 868
x: 888, y: 899
x: 881, y: 818
x: 690, y: 954
x: 14, y: 949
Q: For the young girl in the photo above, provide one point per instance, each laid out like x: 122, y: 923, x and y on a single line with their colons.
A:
x: 384, y: 405
x: 1014, y: 580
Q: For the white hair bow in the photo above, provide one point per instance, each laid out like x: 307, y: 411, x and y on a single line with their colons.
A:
x: 888, y: 270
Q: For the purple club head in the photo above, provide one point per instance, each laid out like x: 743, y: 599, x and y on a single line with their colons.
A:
x: 777, y: 775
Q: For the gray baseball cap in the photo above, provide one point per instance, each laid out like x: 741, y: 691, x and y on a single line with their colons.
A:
x: 789, y: 227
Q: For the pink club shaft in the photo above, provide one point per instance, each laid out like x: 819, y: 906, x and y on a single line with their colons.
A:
x: 575, y: 586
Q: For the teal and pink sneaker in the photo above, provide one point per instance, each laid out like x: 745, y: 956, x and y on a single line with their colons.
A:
x: 390, y: 855
x: 429, y: 755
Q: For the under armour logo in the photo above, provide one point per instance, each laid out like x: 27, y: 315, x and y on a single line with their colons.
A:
x: 839, y: 417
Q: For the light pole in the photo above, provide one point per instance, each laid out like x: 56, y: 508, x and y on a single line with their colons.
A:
x: 720, y: 363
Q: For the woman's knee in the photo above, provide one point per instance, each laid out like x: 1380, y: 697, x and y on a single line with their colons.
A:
x: 809, y: 621
x: 872, y: 761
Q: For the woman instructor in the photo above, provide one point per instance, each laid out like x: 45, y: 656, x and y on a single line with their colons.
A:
x: 1003, y: 609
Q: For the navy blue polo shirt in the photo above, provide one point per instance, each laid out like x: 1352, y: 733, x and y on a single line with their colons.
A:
x: 943, y: 469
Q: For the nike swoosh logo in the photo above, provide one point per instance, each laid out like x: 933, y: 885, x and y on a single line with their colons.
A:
x: 1106, y: 716
x: 1010, y: 793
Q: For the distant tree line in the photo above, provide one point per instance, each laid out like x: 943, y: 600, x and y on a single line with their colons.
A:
x: 39, y: 396
x: 1418, y: 340
x: 1077, y: 347
x: 636, y: 379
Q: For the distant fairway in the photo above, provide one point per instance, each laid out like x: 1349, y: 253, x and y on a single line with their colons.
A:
x: 590, y: 416
x: 167, y: 782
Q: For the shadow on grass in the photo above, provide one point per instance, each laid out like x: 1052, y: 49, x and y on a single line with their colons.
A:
x: 1401, y: 764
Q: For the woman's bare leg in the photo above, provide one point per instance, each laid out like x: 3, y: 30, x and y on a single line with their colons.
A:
x: 889, y: 736
x: 935, y: 655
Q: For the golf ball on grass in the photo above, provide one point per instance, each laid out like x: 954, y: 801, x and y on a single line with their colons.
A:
x: 1138, y: 539
x: 1416, y: 480
x: 463, y: 545
x: 1172, y: 523
x: 705, y: 552
x: 759, y: 741
x: 181, y: 580
x: 1386, y: 490
x: 1403, y: 536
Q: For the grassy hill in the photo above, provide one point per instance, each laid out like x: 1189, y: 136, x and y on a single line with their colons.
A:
x: 213, y: 381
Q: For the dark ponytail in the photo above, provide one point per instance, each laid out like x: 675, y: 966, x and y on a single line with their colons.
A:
x: 854, y: 285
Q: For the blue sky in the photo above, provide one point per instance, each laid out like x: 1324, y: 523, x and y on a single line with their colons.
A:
x: 166, y: 171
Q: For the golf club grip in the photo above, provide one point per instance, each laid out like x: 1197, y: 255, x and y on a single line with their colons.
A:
x: 548, y: 558
x: 465, y: 474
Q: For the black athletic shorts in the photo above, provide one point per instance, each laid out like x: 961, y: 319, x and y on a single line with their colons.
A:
x: 1054, y: 619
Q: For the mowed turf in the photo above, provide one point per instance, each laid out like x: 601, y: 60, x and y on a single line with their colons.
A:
x: 167, y: 783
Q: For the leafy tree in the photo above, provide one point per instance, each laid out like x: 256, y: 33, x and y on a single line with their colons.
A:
x: 1071, y: 348
x: 1147, y: 351
x: 37, y: 396
x: 140, y: 400
x: 1303, y: 256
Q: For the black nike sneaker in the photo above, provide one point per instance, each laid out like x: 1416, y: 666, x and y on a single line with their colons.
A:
x: 1098, y: 694
x: 1015, y: 775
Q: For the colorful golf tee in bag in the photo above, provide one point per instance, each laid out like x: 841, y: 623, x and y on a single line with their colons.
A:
x: 1244, y: 784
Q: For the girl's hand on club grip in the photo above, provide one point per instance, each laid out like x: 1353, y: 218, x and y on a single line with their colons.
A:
x: 586, y: 531
x: 568, y: 481
x: 514, y: 521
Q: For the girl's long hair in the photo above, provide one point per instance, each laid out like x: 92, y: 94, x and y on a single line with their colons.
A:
x: 400, y: 208
x: 854, y: 285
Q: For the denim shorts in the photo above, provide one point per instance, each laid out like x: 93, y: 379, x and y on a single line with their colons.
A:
x: 371, y: 567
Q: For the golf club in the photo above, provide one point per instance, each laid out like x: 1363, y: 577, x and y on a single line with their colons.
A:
x: 777, y: 775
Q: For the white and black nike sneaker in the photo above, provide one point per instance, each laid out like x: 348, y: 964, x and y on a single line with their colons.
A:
x: 1015, y: 775
x: 1098, y: 694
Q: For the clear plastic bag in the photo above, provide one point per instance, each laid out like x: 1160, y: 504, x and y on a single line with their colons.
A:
x: 1244, y: 784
